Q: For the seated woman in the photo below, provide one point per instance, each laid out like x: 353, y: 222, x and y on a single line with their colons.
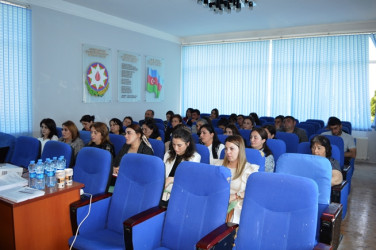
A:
x: 116, y: 126
x: 175, y: 120
x: 270, y: 129
x: 236, y: 161
x: 169, y: 115
x: 258, y: 141
x: 86, y: 121
x: 320, y: 145
x: 182, y: 148
x: 248, y: 123
x: 150, y: 130
x: 100, y: 137
x: 127, y: 121
x: 209, y: 138
x: 136, y: 143
x: 214, y: 114
x: 231, y: 129
x: 71, y: 136
x: 48, y: 132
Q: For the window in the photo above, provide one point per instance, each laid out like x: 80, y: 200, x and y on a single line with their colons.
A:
x: 15, y: 69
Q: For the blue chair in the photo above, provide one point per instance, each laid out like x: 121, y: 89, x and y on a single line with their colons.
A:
x: 7, y: 143
x: 26, y: 149
x: 267, y: 118
x: 339, y: 192
x: 204, y: 152
x: 118, y: 141
x: 278, y: 147
x: 253, y: 156
x: 57, y: 149
x: 158, y: 147
x: 274, y: 215
x: 197, y: 205
x: 162, y: 134
x: 196, y: 138
x: 291, y: 140
x: 245, y: 133
x: 59, y: 131
x: 219, y: 131
x: 215, y: 123
x: 138, y: 188
x: 160, y: 125
x: 317, y: 168
x: 308, y: 127
x: 321, y: 122
x: 222, y: 138
x: 85, y: 136
x: 93, y: 168
x: 347, y: 125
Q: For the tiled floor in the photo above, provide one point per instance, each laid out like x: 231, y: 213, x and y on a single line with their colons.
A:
x: 359, y: 226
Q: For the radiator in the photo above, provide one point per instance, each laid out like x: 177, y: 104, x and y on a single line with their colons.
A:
x: 362, y: 148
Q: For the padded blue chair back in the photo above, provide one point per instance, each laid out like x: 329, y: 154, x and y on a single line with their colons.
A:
x: 85, y: 136
x: 305, y: 148
x: 93, y: 166
x: 7, y: 143
x: 138, y: 187
x: 57, y: 148
x: 253, y: 156
x: 196, y: 138
x: 219, y: 131
x: 198, y: 204
x: 162, y: 134
x: 317, y: 168
x: 59, y: 131
x: 279, y: 212
x: 222, y: 138
x: 348, y: 125
x: 336, y: 154
x: 160, y: 125
x: 278, y: 147
x: 321, y: 130
x: 118, y: 141
x: 308, y: 127
x: 321, y: 122
x: 159, y: 120
x: 158, y: 147
x: 215, y: 123
x: 204, y: 152
x: 291, y: 140
x: 26, y: 149
x: 246, y: 133
x: 267, y: 118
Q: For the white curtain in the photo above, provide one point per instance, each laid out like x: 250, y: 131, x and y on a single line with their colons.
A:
x: 15, y: 69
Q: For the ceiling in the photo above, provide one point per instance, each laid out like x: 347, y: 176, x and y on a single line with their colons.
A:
x: 185, y: 19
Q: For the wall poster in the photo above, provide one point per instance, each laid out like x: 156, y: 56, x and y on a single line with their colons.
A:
x: 96, y: 74
x: 155, y: 79
x: 129, y: 78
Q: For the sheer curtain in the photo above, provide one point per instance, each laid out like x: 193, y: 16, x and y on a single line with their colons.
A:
x: 231, y: 77
x: 324, y: 76
x: 309, y: 78
x: 15, y: 69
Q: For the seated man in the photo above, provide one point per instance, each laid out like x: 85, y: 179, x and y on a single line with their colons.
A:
x: 278, y: 121
x: 195, y: 116
x: 335, y: 126
x: 289, y: 123
x: 149, y: 114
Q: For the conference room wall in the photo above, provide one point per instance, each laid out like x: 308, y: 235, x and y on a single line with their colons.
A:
x: 57, y: 40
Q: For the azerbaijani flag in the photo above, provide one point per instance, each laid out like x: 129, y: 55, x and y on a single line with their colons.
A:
x: 154, y: 84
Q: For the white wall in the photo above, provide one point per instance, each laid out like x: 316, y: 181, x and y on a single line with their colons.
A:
x: 57, y: 40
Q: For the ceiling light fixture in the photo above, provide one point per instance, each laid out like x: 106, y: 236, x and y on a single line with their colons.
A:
x: 220, y: 6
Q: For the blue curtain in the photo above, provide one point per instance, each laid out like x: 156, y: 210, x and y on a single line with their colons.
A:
x: 309, y: 78
x: 324, y: 76
x: 231, y: 77
x: 15, y: 69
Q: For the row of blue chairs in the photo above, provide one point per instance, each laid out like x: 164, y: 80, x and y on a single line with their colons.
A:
x: 131, y: 218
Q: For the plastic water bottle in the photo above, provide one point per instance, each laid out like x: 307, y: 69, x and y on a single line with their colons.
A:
x: 50, y: 174
x: 61, y: 163
x: 54, y: 163
x: 32, y: 174
x: 39, y: 170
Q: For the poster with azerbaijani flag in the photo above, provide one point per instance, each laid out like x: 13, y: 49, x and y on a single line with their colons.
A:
x: 155, y: 79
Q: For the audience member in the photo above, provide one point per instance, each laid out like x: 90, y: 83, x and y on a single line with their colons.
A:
x: 289, y: 123
x: 231, y: 129
x: 128, y: 120
x: 233, y: 118
x: 335, y: 126
x: 182, y: 148
x: 270, y: 129
x: 240, y: 120
x: 136, y: 142
x: 258, y: 139
x: 222, y: 123
x: 100, y: 137
x: 150, y: 129
x: 214, y: 114
x: 278, y: 121
x: 169, y: 115
x: 255, y: 118
x: 248, y: 123
x: 320, y: 145
x: 188, y: 115
x: 71, y: 136
x: 116, y: 126
x: 149, y: 114
x: 200, y: 122
x: 86, y: 121
x: 235, y: 159
x: 209, y: 138
x: 175, y: 120
x: 48, y: 132
x: 195, y: 116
